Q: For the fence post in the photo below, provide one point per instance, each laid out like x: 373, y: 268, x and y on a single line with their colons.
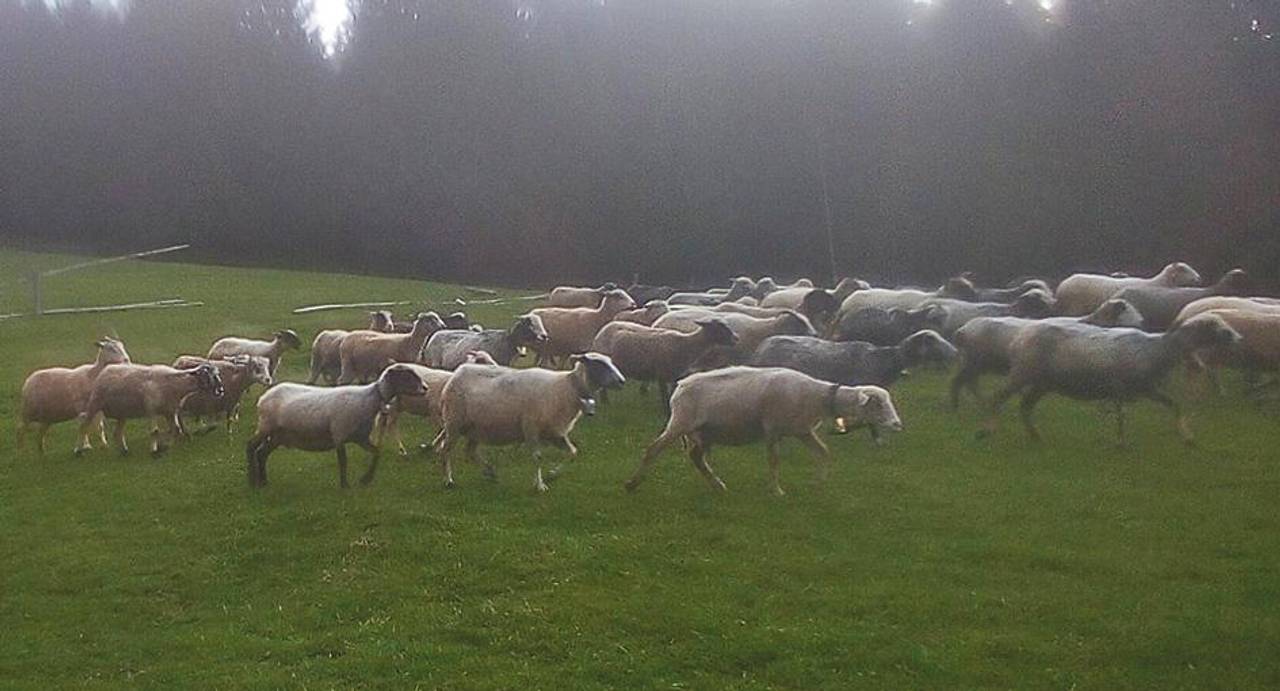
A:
x: 37, y: 294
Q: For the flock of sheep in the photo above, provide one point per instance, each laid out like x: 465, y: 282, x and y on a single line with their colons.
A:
x: 752, y: 362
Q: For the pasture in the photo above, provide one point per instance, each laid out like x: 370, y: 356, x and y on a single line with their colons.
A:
x: 935, y: 561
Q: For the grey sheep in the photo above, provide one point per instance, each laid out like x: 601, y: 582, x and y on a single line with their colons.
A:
x: 448, y: 349
x: 314, y: 418
x: 1160, y: 305
x: 1033, y: 304
x: 741, y: 405
x: 1088, y: 362
x: 883, y: 327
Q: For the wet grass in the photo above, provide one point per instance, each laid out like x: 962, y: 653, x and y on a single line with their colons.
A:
x: 936, y: 561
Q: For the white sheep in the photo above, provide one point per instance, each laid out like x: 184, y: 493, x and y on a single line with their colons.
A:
x: 1080, y: 294
x: 282, y: 340
x: 739, y: 405
x: 570, y: 330
x: 959, y: 288
x: 426, y: 405
x: 1209, y: 304
x: 573, y: 296
x: 58, y: 394
x: 645, y: 315
x: 127, y: 391
x: 483, y: 404
x: 315, y: 418
x: 364, y: 354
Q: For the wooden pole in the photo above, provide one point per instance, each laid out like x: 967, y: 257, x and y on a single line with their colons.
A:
x: 109, y: 260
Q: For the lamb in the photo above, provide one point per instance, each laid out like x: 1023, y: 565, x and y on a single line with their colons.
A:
x: 448, y: 349
x: 907, y: 298
x: 1160, y: 305
x: 499, y: 405
x: 985, y: 342
x: 1033, y: 304
x: 740, y: 405
x: 661, y: 355
x: 884, y: 327
x: 645, y: 315
x: 58, y: 394
x: 426, y: 405
x: 570, y: 330
x: 313, y: 418
x: 126, y: 391
x: 238, y: 373
x: 749, y: 330
x: 1089, y: 362
x: 740, y: 287
x: 571, y: 296
x: 1080, y: 294
x: 326, y: 361
x: 364, y: 354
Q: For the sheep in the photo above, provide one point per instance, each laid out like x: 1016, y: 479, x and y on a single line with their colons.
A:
x: 854, y: 363
x: 764, y: 286
x: 643, y: 294
x: 570, y: 330
x: 426, y: 405
x: 238, y: 373
x: 58, y: 394
x: 1216, y: 303
x: 985, y: 342
x: 1080, y: 294
x: 571, y: 296
x: 740, y: 405
x: 749, y: 330
x: 884, y: 327
x: 313, y: 418
x: 1089, y: 362
x: 1160, y: 305
x: 499, y: 405
x: 126, y: 391
x: 448, y: 349
x: 326, y: 361
x: 906, y: 298
x: 364, y: 354
x: 282, y: 340
x: 1258, y: 351
x: 645, y: 315
x: 661, y: 355
x: 1013, y: 292
x: 740, y: 287
x: 815, y: 303
x: 455, y: 320
x: 1033, y: 304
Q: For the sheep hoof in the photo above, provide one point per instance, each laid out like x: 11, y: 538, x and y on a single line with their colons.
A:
x: 124, y: 452
x: 450, y: 484
x: 79, y: 452
x: 540, y: 488
x: 157, y: 453
x: 631, y: 485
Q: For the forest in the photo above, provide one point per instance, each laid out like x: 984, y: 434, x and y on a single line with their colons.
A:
x: 525, y: 142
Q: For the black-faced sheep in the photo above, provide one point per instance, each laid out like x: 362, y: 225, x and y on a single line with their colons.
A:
x: 448, y: 349
x: 238, y: 373
x: 313, y: 418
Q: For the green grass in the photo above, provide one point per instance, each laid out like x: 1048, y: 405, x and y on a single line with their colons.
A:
x: 936, y: 561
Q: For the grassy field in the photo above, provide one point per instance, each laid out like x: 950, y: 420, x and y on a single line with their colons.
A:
x: 936, y: 561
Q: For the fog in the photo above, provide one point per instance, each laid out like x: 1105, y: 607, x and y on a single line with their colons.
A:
x: 528, y: 141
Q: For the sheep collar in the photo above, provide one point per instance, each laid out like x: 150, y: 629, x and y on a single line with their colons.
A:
x: 829, y: 401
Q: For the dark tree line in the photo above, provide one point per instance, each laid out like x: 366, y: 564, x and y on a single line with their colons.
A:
x: 552, y: 140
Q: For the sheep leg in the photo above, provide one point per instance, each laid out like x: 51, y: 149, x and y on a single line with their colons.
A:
x: 86, y: 419
x: 567, y: 446
x: 775, y: 466
x: 823, y: 454
x: 393, y: 429
x: 473, y: 457
x: 156, y: 447
x: 341, y: 450
x: 374, y: 453
x: 102, y: 433
x: 997, y: 402
x: 121, y: 443
x: 698, y: 455
x: 650, y: 454
x: 664, y: 394
x: 251, y: 450
x: 1029, y: 401
x: 444, y: 444
x: 1184, y: 426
